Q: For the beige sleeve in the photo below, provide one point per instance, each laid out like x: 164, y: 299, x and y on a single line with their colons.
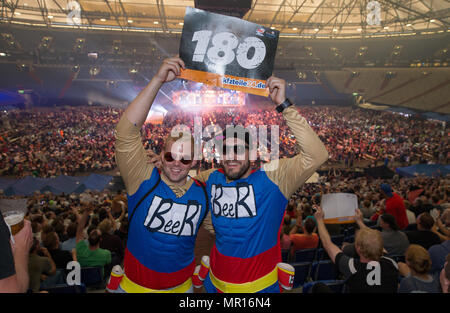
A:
x: 204, y: 175
x: 131, y: 158
x: 291, y: 173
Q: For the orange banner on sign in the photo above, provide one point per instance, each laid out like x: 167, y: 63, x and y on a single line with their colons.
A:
x: 248, y: 85
x: 340, y: 220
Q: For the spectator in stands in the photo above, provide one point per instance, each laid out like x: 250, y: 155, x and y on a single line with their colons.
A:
x: 70, y: 243
x: 122, y: 232
x: 285, y: 240
x: 438, y: 254
x: 14, y: 274
x: 308, y: 239
x: 92, y: 254
x: 372, y: 272
x: 111, y: 242
x: 423, y: 236
x: 367, y: 208
x: 442, y: 224
x: 421, y: 205
x: 41, y: 267
x: 410, y: 214
x: 394, y: 205
x: 395, y: 242
x: 36, y: 229
x: 444, y: 276
x: 291, y: 209
x: 416, y: 273
x: 60, y: 229
x: 60, y: 257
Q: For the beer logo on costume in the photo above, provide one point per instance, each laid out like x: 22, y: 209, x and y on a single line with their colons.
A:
x: 233, y: 202
x: 168, y: 217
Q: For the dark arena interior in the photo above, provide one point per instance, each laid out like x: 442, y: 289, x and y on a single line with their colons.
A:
x: 371, y: 78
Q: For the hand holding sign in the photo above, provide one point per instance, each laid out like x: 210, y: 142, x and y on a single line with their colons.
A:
x: 277, y: 89
x: 169, y: 70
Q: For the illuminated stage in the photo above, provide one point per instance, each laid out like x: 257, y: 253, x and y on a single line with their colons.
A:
x: 208, y: 97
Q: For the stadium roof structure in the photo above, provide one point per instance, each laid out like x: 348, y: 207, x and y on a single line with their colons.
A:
x: 293, y: 18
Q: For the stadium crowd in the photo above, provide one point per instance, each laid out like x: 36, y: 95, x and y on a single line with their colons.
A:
x: 46, y: 143
x: 410, y: 215
x: 55, y: 220
x: 70, y: 141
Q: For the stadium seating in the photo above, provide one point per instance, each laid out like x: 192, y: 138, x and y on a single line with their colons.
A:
x: 305, y: 255
x: 398, y: 258
x: 337, y: 240
x: 285, y: 255
x: 337, y: 286
x: 321, y: 255
x: 92, y: 277
x: 64, y: 288
x: 323, y: 270
x: 302, y: 270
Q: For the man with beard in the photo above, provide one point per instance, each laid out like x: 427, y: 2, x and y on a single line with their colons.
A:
x: 165, y: 207
x: 248, y: 205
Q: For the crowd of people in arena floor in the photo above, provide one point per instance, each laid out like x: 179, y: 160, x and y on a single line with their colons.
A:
x: 423, y: 243
x: 69, y: 141
x: 46, y: 143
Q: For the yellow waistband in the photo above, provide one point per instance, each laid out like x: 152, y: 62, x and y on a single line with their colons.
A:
x: 130, y: 287
x: 249, y: 287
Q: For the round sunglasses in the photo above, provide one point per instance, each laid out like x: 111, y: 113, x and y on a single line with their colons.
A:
x: 169, y: 158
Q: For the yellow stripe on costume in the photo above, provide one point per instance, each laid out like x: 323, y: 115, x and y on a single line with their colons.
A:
x: 204, y: 264
x: 249, y: 287
x: 130, y: 287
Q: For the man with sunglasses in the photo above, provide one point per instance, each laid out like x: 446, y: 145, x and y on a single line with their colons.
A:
x: 248, y: 205
x: 165, y: 207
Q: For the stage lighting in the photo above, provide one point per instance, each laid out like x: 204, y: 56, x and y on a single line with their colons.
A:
x: 133, y: 71
x: 2, y: 54
x: 92, y: 55
x: 301, y: 75
x: 94, y: 71
x: 116, y: 45
x: 79, y: 44
x: 75, y: 68
x: 111, y: 84
x: 390, y: 74
x: 23, y: 66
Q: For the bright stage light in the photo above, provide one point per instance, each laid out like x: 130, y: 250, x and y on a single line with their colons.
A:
x: 203, y: 96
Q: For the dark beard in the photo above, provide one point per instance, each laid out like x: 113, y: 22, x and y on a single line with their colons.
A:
x: 239, y: 174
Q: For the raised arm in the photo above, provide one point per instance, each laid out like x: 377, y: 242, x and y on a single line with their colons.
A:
x: 82, y: 223
x: 324, y: 236
x: 359, y: 219
x: 130, y: 154
x: 291, y: 173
